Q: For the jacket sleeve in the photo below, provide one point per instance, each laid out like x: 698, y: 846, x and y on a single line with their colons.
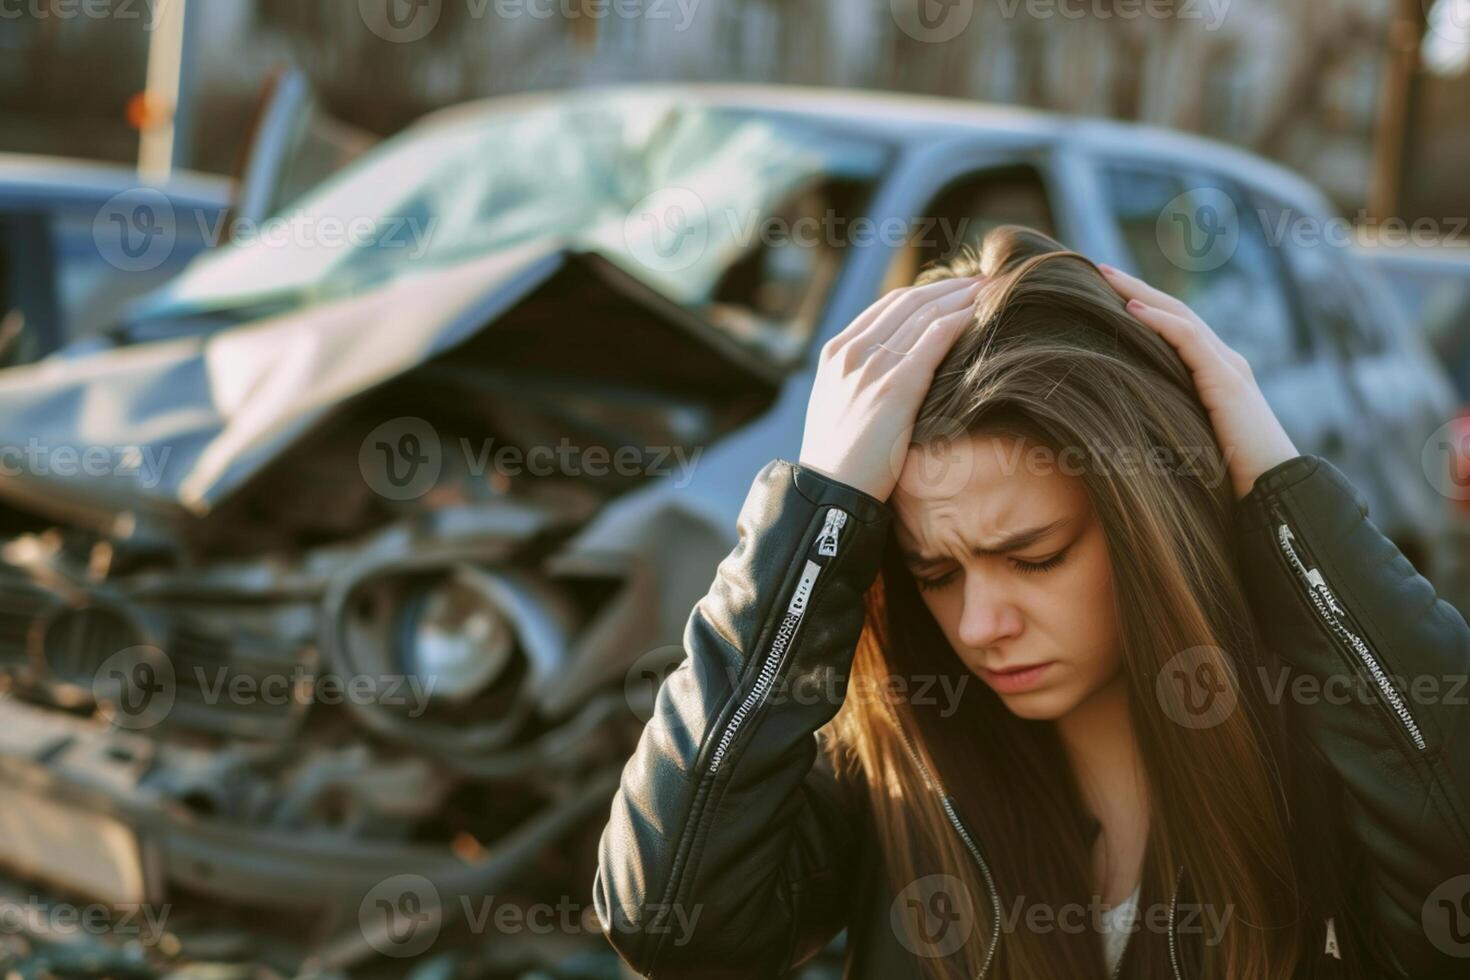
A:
x: 1386, y: 662
x: 727, y: 851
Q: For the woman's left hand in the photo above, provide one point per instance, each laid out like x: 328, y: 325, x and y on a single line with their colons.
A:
x: 1249, y: 434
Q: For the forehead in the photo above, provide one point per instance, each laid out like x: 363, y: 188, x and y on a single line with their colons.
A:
x: 984, y: 486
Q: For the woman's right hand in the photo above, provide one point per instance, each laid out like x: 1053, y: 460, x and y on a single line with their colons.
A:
x: 872, y: 378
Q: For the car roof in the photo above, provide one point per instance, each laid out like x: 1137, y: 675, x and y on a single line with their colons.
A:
x: 912, y: 120
x: 1451, y: 257
x: 65, y: 177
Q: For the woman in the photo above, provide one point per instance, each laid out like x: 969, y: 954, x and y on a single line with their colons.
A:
x: 1009, y: 475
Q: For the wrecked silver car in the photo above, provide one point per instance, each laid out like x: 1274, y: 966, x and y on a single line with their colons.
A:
x: 324, y: 636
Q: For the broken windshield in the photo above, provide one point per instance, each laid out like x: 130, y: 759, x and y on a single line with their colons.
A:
x: 739, y: 213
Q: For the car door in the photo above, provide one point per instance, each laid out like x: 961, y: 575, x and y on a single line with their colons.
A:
x: 1195, y: 235
x: 29, y: 311
x: 1399, y: 395
x: 945, y: 193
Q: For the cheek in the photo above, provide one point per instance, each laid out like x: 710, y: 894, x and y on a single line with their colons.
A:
x: 1090, y: 614
x: 945, y: 605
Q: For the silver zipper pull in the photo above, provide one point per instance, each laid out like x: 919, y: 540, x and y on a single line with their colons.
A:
x: 1320, y: 584
x: 1337, y: 623
x: 1315, y: 580
x: 831, y: 526
x: 797, y: 605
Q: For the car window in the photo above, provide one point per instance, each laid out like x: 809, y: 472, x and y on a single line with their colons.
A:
x: 1436, y: 296
x: 27, y: 298
x: 94, y: 279
x: 1189, y: 236
x: 1330, y: 295
x: 965, y: 210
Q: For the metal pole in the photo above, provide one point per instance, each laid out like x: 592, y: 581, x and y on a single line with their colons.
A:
x: 160, y: 144
x: 1394, y: 134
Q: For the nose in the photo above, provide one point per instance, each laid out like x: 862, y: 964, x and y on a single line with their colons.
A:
x: 989, y: 615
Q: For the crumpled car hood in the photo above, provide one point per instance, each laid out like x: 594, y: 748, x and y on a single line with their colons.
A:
x: 179, y: 426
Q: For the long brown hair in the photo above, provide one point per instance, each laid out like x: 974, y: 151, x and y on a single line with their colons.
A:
x: 1053, y: 357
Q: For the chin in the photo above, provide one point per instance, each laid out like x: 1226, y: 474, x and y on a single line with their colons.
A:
x: 1041, y: 705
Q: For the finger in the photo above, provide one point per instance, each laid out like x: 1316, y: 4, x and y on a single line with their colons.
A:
x: 1224, y: 350
x: 918, y: 326
x: 930, y: 348
x: 867, y: 316
x: 878, y: 308
x: 904, y: 335
x: 921, y: 304
x: 1199, y: 349
x: 1132, y: 287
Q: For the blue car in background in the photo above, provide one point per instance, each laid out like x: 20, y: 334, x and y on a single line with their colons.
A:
x: 79, y: 240
x: 1433, y: 286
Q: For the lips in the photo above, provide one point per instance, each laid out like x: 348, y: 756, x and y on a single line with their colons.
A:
x: 1016, y: 679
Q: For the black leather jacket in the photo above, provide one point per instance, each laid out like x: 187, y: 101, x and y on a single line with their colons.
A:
x: 732, y: 851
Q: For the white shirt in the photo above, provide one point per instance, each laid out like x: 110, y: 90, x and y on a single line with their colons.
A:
x: 1117, y: 925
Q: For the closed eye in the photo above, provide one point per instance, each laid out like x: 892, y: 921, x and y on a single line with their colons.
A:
x: 939, y: 582
x: 1024, y: 567
x: 1032, y: 567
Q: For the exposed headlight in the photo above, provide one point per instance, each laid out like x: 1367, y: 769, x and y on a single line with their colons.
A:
x: 451, y: 636
x: 472, y: 643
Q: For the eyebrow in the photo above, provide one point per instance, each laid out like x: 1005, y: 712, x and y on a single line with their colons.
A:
x: 1011, y: 542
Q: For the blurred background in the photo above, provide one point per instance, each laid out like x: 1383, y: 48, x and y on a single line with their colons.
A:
x: 380, y: 380
x: 1362, y: 96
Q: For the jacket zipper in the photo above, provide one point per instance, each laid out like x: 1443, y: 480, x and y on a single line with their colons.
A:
x: 1335, y: 617
x: 947, y: 802
x: 825, y: 548
x: 1173, y: 941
